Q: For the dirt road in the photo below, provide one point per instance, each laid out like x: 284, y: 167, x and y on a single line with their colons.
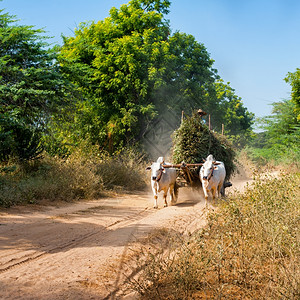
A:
x: 68, y: 251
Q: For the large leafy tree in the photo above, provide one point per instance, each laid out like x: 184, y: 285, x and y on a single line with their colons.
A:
x: 115, y: 64
x: 188, y: 80
x: 231, y: 112
x: 30, y: 88
x: 129, y: 69
x: 294, y: 80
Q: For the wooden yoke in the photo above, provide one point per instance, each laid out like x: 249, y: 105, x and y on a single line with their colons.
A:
x: 191, y: 177
x: 185, y: 169
x: 182, y: 165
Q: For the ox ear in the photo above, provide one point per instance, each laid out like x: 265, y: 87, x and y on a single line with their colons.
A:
x: 203, y: 160
x: 148, y: 168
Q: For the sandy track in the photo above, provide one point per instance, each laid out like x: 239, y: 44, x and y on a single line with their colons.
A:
x: 66, y: 252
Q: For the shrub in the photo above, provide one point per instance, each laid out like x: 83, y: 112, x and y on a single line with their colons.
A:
x: 276, y: 155
x: 77, y: 177
x: 250, y: 249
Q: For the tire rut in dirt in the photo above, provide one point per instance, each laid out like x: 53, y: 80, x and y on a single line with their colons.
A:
x: 15, y: 262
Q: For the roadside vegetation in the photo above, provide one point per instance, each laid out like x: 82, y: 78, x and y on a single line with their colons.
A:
x: 79, y: 176
x: 250, y: 249
x: 279, y: 142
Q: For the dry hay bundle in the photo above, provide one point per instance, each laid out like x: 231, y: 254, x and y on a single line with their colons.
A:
x: 193, y: 142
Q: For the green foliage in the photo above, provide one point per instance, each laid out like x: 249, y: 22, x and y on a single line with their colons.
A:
x: 276, y: 155
x: 189, y: 76
x: 18, y: 139
x: 282, y: 126
x: 106, y: 84
x: 115, y: 64
x: 231, y: 112
x: 281, y: 138
x: 193, y: 141
x: 30, y: 88
x: 294, y: 80
x: 129, y: 69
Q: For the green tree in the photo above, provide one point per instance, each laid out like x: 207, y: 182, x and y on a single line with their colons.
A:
x: 129, y: 69
x: 280, y: 140
x: 231, y: 112
x: 282, y: 127
x: 188, y: 81
x: 294, y: 80
x: 115, y: 64
x: 31, y: 88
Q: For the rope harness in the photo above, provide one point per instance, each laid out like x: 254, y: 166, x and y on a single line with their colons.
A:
x: 159, y: 176
x: 157, y: 179
x: 211, y: 174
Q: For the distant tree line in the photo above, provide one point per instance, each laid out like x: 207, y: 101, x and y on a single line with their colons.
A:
x: 279, y: 140
x: 107, y: 83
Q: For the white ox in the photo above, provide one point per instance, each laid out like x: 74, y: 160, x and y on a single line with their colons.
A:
x: 163, y: 179
x: 212, y: 176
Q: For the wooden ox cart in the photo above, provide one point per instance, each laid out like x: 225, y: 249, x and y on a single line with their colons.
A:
x: 188, y: 175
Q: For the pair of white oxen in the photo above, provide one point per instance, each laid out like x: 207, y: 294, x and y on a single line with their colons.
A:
x: 212, y: 175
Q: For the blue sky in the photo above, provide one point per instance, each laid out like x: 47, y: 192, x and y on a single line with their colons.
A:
x: 254, y: 43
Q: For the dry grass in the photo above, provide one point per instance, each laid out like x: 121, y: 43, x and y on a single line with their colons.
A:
x: 77, y: 177
x: 249, y: 250
x: 50, y: 179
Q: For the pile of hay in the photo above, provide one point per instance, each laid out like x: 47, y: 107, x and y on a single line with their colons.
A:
x: 193, y: 142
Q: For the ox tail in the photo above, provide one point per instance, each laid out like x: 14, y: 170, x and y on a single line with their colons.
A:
x: 176, y: 188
